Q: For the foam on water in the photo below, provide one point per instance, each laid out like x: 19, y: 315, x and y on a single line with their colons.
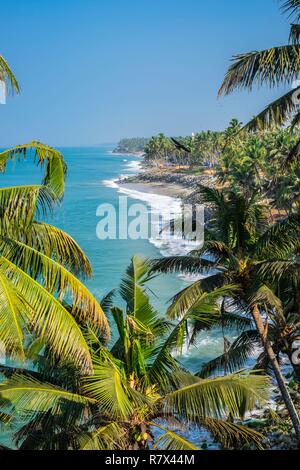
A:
x: 157, y: 205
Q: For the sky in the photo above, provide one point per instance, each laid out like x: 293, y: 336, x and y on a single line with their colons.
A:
x: 94, y: 71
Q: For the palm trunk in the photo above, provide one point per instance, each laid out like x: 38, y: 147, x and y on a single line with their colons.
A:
x: 276, y: 368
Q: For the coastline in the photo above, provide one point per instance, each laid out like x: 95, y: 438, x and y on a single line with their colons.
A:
x: 173, y: 182
x: 165, y: 188
x: 159, y: 188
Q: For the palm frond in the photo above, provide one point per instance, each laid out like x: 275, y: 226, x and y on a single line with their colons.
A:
x: 265, y: 296
x: 29, y: 396
x: 107, y: 437
x: 278, y: 65
x: 235, y: 321
x: 59, y: 245
x: 8, y: 77
x: 234, y: 436
x: 44, y: 155
x: 11, y: 315
x: 132, y: 284
x: 20, y: 204
x: 56, y: 278
x: 107, y: 301
x: 108, y: 386
x: 193, y: 299
x: 233, y: 394
x: 48, y: 318
x: 216, y: 249
x: 280, y: 238
x: 292, y: 7
x: 164, y: 365
x: 171, y: 440
x: 276, y: 269
x: 183, y: 264
x: 292, y: 157
x: 235, y: 358
x: 277, y: 113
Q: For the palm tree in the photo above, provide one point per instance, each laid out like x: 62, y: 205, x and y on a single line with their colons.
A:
x: 39, y: 263
x: 138, y: 395
x: 274, y: 66
x: 237, y: 246
x: 8, y: 77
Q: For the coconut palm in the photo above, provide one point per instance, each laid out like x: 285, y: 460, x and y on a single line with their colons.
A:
x: 8, y: 77
x: 139, y: 396
x: 237, y: 245
x: 273, y: 67
x: 39, y: 263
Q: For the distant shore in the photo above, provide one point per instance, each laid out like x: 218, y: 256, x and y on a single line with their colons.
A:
x: 168, y: 182
x: 160, y: 188
x: 127, y: 154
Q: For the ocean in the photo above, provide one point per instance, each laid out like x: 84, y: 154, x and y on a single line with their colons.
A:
x: 92, y: 181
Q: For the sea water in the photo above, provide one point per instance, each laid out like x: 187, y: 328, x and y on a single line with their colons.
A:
x: 92, y: 180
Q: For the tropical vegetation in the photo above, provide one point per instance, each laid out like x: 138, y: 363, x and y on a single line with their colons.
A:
x: 138, y: 396
x: 70, y: 385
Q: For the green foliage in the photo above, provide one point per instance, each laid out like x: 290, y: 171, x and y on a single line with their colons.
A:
x: 136, y: 386
x: 133, y: 144
x: 8, y: 76
x: 41, y: 295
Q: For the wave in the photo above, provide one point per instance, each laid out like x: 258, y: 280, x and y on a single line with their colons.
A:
x: 159, y: 208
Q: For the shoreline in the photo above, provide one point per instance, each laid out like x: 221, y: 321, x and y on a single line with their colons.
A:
x: 171, y: 182
x: 162, y: 183
x: 160, y: 188
x: 128, y: 154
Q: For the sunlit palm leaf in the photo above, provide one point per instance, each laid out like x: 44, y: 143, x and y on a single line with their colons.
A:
x: 48, y: 317
x: 43, y: 155
x: 108, y: 386
x: 164, y: 365
x: 292, y: 7
x: 8, y: 77
x: 132, y: 285
x: 12, y: 307
x: 172, y: 441
x: 232, y: 394
x: 59, y: 245
x: 29, y: 396
x: 56, y: 278
x: 19, y: 205
x: 275, y: 270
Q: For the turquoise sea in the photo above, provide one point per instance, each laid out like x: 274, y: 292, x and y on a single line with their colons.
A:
x: 89, y: 183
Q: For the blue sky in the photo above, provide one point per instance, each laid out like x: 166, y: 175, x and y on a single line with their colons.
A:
x: 93, y: 71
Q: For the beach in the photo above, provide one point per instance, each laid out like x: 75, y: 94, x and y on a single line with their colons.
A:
x: 159, y: 188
